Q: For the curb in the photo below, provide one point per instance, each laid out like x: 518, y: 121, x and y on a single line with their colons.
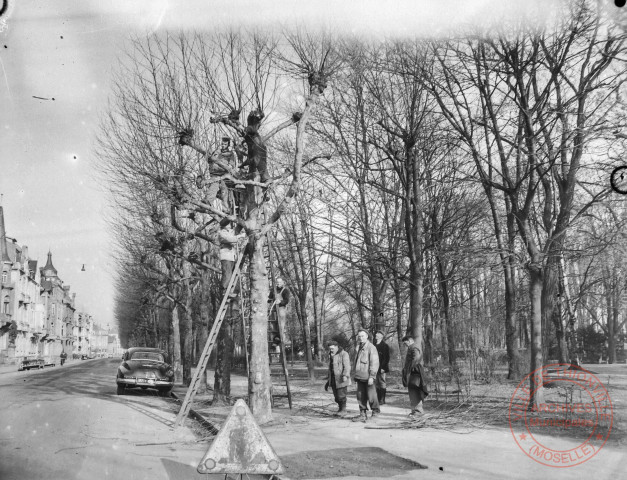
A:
x: 197, y: 416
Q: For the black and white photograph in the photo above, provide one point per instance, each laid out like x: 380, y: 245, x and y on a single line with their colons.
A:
x: 282, y: 240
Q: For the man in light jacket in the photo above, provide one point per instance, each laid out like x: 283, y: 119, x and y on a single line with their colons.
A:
x: 365, y: 371
x: 228, y: 240
x: 339, y: 375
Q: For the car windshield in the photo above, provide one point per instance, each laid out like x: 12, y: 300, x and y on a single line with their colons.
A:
x: 153, y: 356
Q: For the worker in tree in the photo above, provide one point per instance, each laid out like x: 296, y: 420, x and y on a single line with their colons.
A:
x: 257, y: 151
x: 228, y: 240
x: 339, y: 375
x: 282, y: 299
x: 226, y: 156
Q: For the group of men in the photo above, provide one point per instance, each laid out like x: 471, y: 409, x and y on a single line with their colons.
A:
x: 369, y: 370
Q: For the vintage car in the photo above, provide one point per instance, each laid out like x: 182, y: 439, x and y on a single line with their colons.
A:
x: 145, y: 368
x: 28, y: 363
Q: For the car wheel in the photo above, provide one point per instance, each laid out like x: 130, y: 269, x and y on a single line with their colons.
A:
x: 121, y: 389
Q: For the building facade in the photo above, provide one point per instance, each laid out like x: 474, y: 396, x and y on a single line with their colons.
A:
x: 37, y: 312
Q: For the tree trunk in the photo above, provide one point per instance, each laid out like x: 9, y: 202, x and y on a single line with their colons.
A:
x: 203, y: 328
x: 549, y: 293
x: 259, y: 382
x: 400, y: 328
x: 176, y: 345
x: 186, y: 332
x: 612, y: 320
x: 224, y: 360
x: 413, y: 228
x: 514, y: 362
x: 311, y: 371
x: 446, y: 311
x: 535, y: 300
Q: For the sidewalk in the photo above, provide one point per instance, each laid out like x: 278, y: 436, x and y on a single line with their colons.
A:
x: 312, y: 443
x: 13, y: 368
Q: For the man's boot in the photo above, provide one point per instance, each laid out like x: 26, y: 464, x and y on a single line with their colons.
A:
x: 382, y: 399
x: 361, y: 418
x: 379, y: 395
x: 342, y: 411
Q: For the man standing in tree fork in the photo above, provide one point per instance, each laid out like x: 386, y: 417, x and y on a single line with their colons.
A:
x: 365, y: 371
x: 339, y: 375
x: 413, y: 376
x: 384, y: 360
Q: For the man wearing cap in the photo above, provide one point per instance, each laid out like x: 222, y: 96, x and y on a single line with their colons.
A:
x: 365, y: 370
x: 413, y: 376
x: 339, y: 375
x: 384, y: 360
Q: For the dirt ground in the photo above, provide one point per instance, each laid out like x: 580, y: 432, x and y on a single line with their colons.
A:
x: 464, y: 434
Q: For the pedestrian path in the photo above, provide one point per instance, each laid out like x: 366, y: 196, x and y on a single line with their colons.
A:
x: 13, y: 368
x: 310, y: 401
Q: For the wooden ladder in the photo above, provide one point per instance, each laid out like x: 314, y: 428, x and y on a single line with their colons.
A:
x: 274, y: 326
x: 211, y: 341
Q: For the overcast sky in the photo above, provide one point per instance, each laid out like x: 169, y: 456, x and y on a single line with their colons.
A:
x: 65, y: 51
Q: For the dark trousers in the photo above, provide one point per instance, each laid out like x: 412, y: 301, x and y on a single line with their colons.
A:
x: 339, y: 394
x: 367, y: 393
x: 227, y: 271
x: 416, y: 395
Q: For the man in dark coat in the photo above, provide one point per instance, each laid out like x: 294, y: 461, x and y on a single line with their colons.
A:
x: 257, y: 152
x: 339, y: 375
x: 413, y: 376
x: 384, y: 360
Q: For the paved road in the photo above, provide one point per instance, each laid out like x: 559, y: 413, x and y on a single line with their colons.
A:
x: 67, y: 422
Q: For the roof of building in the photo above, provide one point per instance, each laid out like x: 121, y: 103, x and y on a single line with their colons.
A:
x: 49, y: 265
x: 4, y: 256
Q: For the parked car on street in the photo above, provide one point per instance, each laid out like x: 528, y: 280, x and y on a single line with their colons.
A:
x: 28, y: 363
x: 145, y: 368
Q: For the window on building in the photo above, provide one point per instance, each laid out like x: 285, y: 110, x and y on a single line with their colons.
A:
x: 5, y: 277
x: 5, y: 307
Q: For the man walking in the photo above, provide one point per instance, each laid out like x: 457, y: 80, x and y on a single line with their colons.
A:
x: 366, y: 367
x: 413, y: 376
x: 339, y: 375
x: 384, y: 359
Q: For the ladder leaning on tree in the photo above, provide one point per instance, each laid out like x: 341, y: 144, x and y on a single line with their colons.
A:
x: 215, y: 329
x: 211, y: 340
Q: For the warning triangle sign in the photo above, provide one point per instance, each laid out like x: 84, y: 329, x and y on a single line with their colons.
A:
x: 240, y: 447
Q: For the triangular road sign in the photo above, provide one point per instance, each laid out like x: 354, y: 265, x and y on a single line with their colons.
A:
x: 240, y: 447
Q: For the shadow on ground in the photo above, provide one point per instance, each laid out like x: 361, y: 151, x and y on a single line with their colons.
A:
x: 371, y: 462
